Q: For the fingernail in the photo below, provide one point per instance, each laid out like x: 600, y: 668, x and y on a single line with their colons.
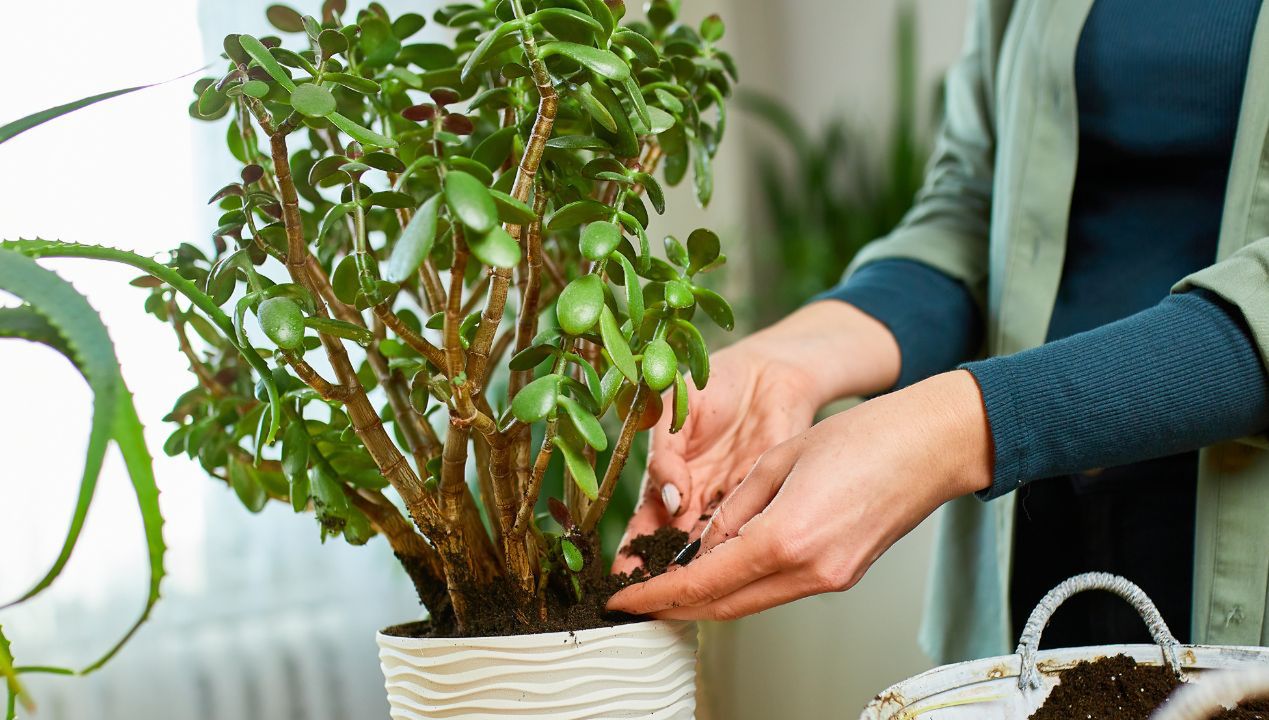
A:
x: 671, y: 498
x: 687, y: 553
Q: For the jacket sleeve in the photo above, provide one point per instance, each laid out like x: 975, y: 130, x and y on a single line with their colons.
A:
x: 948, y: 227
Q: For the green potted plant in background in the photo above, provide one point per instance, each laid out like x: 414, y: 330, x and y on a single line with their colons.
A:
x: 433, y: 276
x: 826, y: 195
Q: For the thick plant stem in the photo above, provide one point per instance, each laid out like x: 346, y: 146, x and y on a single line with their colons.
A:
x: 527, y: 322
x: 420, y: 344
x: 530, y: 501
x: 543, y: 124
x: 365, y: 421
x: 620, y: 454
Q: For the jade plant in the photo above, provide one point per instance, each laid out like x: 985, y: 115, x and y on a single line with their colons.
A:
x: 432, y: 275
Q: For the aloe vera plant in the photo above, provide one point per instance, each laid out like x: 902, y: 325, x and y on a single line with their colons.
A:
x: 432, y: 276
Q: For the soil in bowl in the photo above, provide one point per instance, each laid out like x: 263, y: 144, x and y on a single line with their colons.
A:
x: 1117, y: 688
x: 488, y: 604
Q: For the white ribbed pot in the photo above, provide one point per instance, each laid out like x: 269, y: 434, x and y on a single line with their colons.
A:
x: 639, y: 670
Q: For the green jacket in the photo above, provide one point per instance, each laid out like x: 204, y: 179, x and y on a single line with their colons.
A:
x: 993, y: 213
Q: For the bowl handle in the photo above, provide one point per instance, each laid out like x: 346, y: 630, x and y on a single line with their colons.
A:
x: 1203, y: 699
x: 1029, y: 643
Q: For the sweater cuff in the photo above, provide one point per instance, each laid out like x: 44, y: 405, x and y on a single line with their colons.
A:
x: 932, y: 316
x: 1173, y: 378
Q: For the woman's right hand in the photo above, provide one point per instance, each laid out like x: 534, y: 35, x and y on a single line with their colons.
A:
x: 763, y: 390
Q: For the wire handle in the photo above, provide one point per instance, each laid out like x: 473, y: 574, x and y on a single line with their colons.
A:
x: 1029, y: 643
x: 1216, y: 691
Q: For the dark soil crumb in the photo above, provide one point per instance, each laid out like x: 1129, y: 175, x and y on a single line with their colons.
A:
x: 657, y: 550
x: 1117, y: 688
x: 492, y: 607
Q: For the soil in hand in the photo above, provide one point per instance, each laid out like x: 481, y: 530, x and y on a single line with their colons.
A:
x: 1117, y: 688
x: 490, y: 605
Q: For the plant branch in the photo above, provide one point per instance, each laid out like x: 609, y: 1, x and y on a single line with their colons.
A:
x: 620, y: 454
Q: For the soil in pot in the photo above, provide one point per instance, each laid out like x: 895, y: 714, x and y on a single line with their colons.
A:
x: 1117, y: 688
x: 488, y: 605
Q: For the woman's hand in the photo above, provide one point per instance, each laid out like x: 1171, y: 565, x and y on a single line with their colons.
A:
x: 762, y: 391
x: 816, y: 511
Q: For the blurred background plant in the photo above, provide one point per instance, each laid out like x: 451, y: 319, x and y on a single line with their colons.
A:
x: 827, y: 193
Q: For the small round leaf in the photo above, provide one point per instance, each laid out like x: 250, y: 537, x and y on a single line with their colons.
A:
x: 537, y: 399
x: 599, y: 239
x: 312, y: 100
x: 580, y: 304
x: 283, y: 322
x: 469, y: 200
x: 659, y: 364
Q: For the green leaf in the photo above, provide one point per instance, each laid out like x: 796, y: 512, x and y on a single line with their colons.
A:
x: 341, y: 329
x: 634, y: 294
x: 537, y: 399
x: 675, y: 252
x: 572, y: 556
x: 577, y: 142
x: 114, y: 415
x: 576, y: 213
x: 633, y: 92
x: 703, y: 248
x: 653, y: 190
x: 596, y: 109
x: 616, y: 345
x: 697, y: 352
x: 587, y: 425
x: 624, y: 142
x: 295, y: 451
x: 415, y: 242
x: 715, y: 307
x: 678, y: 294
x: 712, y: 28
x: 365, y: 136
x: 255, y: 88
x: 659, y: 364
x: 378, y: 44
x: 493, y: 150
x: 579, y: 304
x: 332, y: 42
x: 702, y: 172
x: 246, y: 486
x: 495, y: 248
x: 532, y: 356
x: 282, y: 322
x: 601, y: 62
x: 333, y: 216
x: 21, y: 125
x: 469, y: 200
x: 390, y: 199
x: 583, y: 474
x: 568, y: 24
x: 512, y: 210
x: 261, y: 54
x: 485, y: 45
x: 599, y: 239
x: 642, y: 48
x: 408, y: 24
x: 680, y: 403
x: 356, y: 83
x: 386, y: 162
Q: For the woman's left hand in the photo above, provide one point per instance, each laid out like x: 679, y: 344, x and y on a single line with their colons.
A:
x: 816, y: 511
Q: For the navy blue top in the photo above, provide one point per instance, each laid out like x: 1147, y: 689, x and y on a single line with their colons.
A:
x: 1137, y: 380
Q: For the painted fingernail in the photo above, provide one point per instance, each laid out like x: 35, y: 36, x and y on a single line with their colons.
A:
x: 671, y: 498
x: 688, y: 552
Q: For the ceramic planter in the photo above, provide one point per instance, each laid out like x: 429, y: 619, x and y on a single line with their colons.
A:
x: 643, y: 670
